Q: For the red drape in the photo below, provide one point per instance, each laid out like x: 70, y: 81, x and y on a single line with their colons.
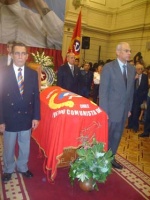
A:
x: 66, y: 117
x: 56, y: 54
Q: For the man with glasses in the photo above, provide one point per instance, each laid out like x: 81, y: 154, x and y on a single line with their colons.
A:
x: 20, y: 111
x: 116, y: 94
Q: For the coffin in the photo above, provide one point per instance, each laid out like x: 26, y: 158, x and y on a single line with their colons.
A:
x: 67, y: 118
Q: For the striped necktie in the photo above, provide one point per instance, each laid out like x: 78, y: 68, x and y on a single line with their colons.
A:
x: 20, y: 81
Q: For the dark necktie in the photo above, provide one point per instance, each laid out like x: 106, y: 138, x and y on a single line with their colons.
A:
x: 137, y: 83
x: 124, y: 75
x: 72, y: 70
x: 20, y: 81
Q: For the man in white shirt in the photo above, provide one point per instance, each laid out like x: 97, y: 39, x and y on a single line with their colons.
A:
x: 20, y: 112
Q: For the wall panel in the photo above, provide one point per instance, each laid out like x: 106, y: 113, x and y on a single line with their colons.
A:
x: 109, y: 22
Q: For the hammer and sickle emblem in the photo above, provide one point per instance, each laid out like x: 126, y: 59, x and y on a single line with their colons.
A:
x: 77, y: 46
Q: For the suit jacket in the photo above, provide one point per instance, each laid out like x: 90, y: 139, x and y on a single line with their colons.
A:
x: 86, y: 79
x: 141, y: 93
x: 114, y: 98
x: 66, y: 80
x: 16, y: 112
x: 3, y: 61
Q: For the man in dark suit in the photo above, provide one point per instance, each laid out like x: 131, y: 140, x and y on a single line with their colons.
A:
x: 86, y: 80
x: 19, y: 111
x: 146, y: 132
x: 116, y: 95
x: 69, y: 75
x: 6, y: 60
x: 140, y: 96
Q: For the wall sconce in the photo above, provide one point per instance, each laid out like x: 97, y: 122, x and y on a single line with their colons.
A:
x: 76, y: 3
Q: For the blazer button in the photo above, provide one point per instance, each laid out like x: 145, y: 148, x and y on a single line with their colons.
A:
x: 19, y: 112
x: 8, y: 94
x: 26, y: 112
x: 30, y: 103
x: 12, y: 104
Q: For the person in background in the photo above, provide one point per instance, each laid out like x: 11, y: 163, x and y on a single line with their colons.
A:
x: 146, y: 132
x: 91, y: 66
x: 6, y: 60
x: 140, y: 96
x: 77, y: 62
x: 138, y: 58
x: 69, y: 75
x: 20, y: 111
x: 96, y: 80
x: 86, y: 80
x: 116, y: 95
x: 131, y: 62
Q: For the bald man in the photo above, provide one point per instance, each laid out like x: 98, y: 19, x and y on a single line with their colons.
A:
x: 69, y: 75
x: 116, y: 95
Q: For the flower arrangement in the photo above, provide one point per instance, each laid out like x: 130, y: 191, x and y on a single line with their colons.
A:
x: 92, y: 163
x: 41, y: 58
x: 48, y: 76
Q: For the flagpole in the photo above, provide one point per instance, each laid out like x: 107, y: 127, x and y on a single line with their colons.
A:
x: 75, y: 43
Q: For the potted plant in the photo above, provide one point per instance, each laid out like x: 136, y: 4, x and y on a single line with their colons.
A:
x: 92, y: 165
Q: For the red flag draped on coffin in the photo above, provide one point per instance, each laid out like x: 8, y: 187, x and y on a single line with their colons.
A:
x: 65, y: 118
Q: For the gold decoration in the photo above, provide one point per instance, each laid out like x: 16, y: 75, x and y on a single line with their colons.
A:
x: 76, y: 3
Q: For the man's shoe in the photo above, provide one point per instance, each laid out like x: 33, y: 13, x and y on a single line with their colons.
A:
x: 6, y: 177
x: 27, y: 174
x: 144, y: 135
x: 116, y: 165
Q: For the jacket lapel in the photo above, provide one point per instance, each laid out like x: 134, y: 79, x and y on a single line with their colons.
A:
x: 13, y: 80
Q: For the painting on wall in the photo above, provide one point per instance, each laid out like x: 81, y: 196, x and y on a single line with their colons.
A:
x: 37, y: 23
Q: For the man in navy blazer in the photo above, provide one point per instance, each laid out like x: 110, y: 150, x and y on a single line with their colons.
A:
x: 19, y: 112
x: 140, y: 96
x: 69, y: 75
x: 116, y: 95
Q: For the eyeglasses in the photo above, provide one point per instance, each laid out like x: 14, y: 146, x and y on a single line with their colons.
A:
x: 20, y: 53
x: 126, y: 50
